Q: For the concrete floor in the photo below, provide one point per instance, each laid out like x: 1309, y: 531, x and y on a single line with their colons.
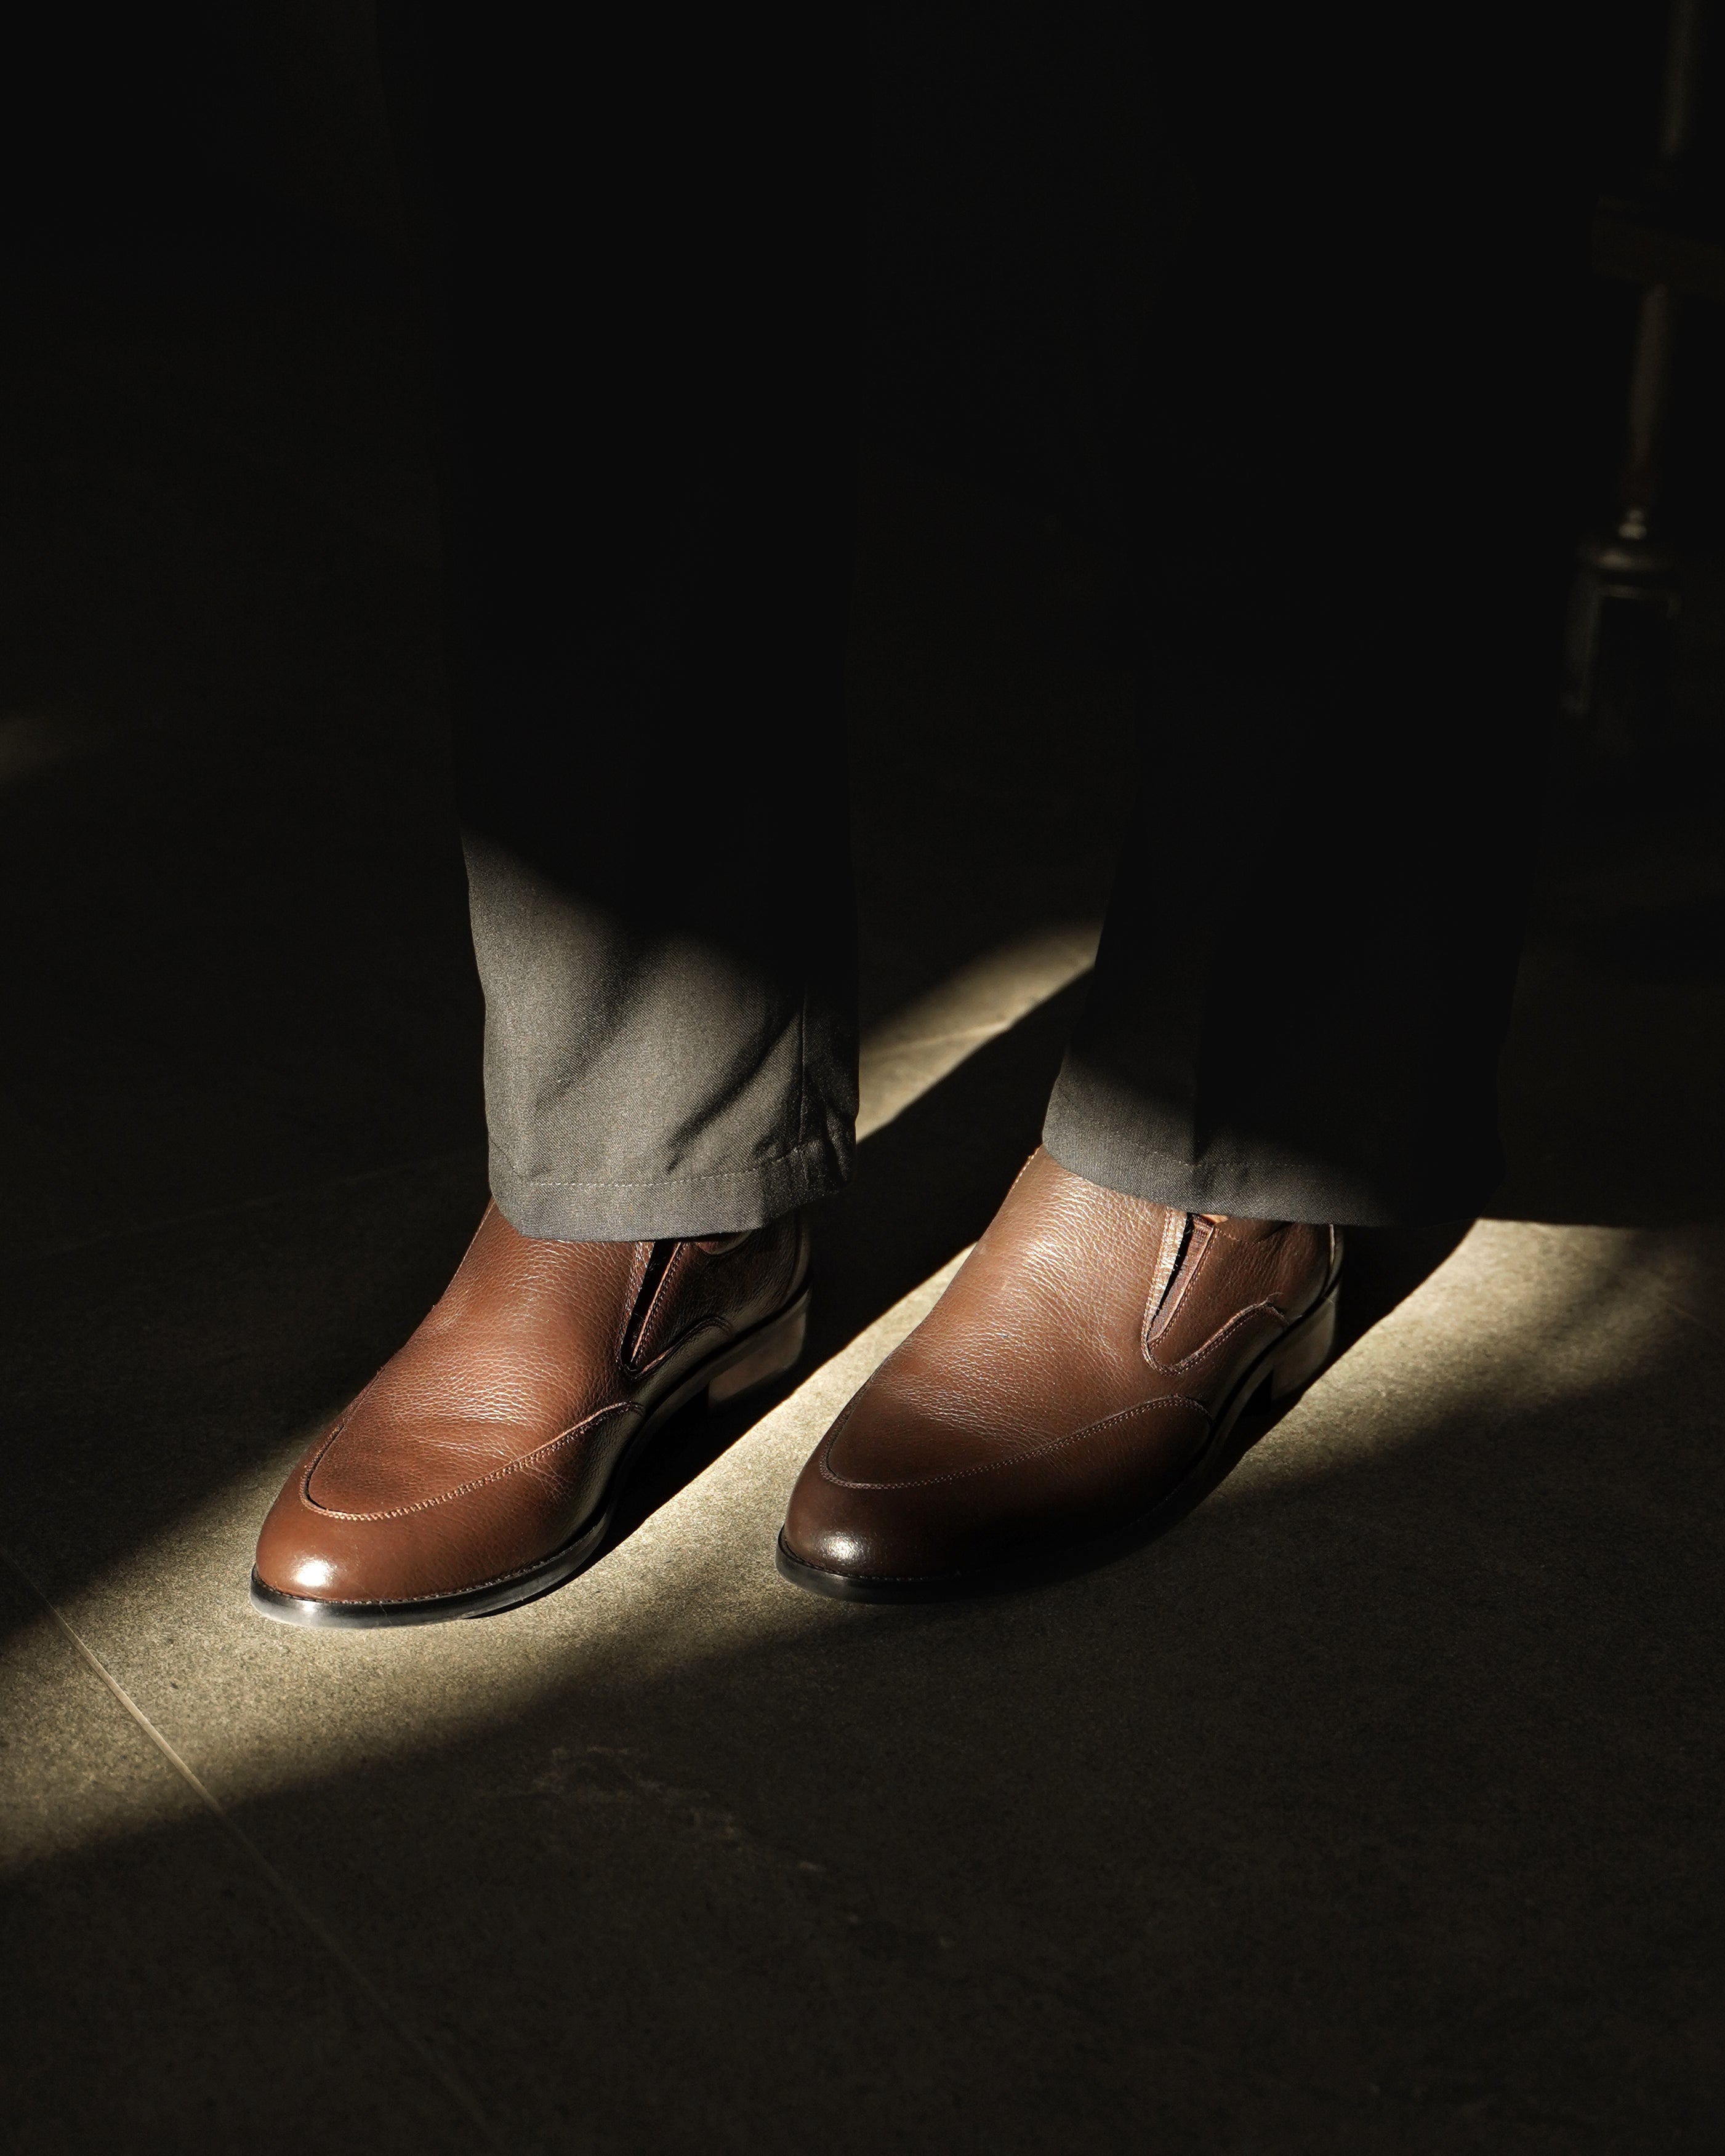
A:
x: 1375, y: 1809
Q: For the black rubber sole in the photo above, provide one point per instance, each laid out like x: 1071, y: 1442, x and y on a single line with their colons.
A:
x: 1306, y: 1348
x: 740, y: 1369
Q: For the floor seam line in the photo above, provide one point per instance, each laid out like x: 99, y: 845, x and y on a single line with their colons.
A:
x: 875, y: 1050
x: 1700, y: 1324
x: 274, y: 1878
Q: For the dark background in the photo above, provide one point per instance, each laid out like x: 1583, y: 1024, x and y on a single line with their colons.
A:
x: 224, y: 667
x: 1394, y: 1804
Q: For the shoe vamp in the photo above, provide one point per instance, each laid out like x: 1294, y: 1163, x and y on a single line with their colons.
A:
x: 1004, y: 1505
x: 382, y: 1463
x: 487, y: 1531
x: 962, y: 1416
x: 1029, y: 1345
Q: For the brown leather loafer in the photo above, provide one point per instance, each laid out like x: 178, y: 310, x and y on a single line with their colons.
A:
x: 482, y: 1464
x: 1081, y: 1384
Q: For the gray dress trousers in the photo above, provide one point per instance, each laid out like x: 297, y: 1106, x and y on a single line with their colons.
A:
x: 1299, y: 354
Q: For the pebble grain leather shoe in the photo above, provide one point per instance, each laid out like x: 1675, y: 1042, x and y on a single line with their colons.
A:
x: 1081, y: 1384
x: 482, y: 1464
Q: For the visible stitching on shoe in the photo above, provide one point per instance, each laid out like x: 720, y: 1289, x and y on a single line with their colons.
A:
x: 465, y: 1489
x: 443, y: 1594
x: 710, y: 1323
x: 1240, y: 1317
x: 1012, y: 1460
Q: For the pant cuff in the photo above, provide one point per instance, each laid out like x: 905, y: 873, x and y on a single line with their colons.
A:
x: 1262, y: 1189
x: 723, y: 1204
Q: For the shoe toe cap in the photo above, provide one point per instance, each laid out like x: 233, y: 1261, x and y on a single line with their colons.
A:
x: 828, y: 1531
x: 856, y: 1511
x: 298, y: 1555
x: 496, y: 1529
x: 982, y: 1499
x: 311, y: 1555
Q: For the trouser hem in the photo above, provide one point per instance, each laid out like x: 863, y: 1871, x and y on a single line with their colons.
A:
x: 646, y: 1210
x: 1270, y: 1190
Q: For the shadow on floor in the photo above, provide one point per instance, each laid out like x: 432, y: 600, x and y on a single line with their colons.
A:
x: 1368, y: 1812
x: 1372, y: 1811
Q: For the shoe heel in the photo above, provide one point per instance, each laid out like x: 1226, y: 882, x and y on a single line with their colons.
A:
x: 768, y: 1355
x: 1307, y: 1349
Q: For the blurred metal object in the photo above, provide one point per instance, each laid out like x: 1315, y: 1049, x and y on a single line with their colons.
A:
x: 1626, y: 595
x: 1628, y: 589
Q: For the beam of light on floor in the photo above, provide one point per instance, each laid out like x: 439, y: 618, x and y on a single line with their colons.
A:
x: 906, y: 1054
x: 901, y: 1058
x: 1521, y: 1321
x: 254, y: 1709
